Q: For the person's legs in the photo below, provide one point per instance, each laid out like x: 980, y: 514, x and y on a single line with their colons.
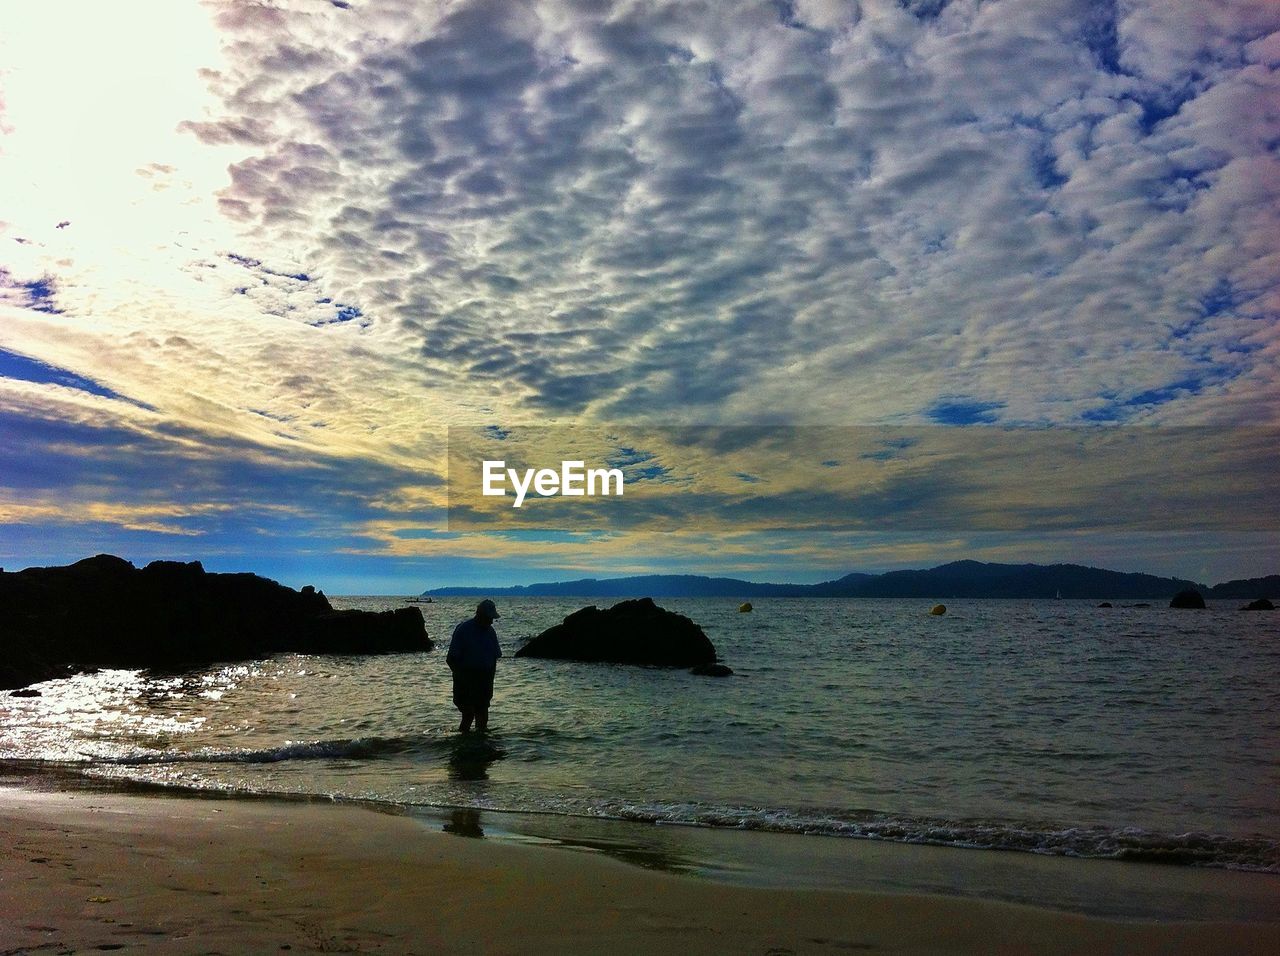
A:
x: 468, y: 715
x: 484, y: 694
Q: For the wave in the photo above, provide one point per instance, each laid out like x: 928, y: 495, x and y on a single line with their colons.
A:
x: 526, y: 745
x: 1197, y: 849
x: 1254, y: 854
x: 356, y: 748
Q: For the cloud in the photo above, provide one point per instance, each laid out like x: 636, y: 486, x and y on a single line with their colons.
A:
x: 799, y: 211
x: 67, y: 460
x: 391, y: 216
x: 947, y: 479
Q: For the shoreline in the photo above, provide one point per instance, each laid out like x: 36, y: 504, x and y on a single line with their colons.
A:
x: 88, y: 869
x: 1104, y: 888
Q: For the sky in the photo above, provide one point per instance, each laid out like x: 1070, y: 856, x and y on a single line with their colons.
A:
x: 261, y: 259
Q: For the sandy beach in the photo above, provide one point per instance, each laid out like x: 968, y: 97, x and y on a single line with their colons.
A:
x: 89, y: 872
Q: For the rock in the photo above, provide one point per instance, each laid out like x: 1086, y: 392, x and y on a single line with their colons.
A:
x: 745, y: 607
x: 1262, y: 604
x: 104, y: 612
x: 712, y: 670
x: 938, y: 610
x: 1105, y: 604
x: 367, y: 632
x: 1188, y: 598
x: 632, y: 632
x: 1140, y: 604
x: 25, y: 692
x: 20, y: 666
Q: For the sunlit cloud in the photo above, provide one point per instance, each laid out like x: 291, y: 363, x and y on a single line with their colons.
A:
x: 648, y: 211
x: 256, y: 256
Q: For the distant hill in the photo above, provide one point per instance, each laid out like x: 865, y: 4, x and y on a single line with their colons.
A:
x: 1268, y: 587
x: 974, y: 579
x: 959, y: 579
x: 644, y: 585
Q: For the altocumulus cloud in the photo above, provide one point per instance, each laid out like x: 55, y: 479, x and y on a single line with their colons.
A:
x: 247, y: 312
x: 1049, y: 210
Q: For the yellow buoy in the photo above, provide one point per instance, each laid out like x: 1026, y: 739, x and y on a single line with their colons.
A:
x: 939, y: 610
x: 744, y: 608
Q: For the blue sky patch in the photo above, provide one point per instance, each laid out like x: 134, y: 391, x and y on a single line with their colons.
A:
x: 648, y: 473
x: 24, y: 369
x: 1191, y: 385
x: 1160, y: 106
x: 41, y: 293
x: 1101, y: 37
x: 889, y: 449
x: 959, y: 411
x: 626, y: 457
x: 1221, y: 298
x: 36, y: 294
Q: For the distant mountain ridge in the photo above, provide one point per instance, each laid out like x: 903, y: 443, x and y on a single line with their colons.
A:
x: 1267, y: 587
x: 957, y: 579
x: 644, y: 585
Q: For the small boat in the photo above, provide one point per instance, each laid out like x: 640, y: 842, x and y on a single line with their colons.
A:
x: 420, y: 600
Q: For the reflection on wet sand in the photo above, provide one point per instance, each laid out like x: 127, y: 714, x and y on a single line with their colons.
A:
x: 464, y: 822
x: 651, y: 854
x: 471, y: 755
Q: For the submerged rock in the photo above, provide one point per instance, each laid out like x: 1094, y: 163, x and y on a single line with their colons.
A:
x: 712, y: 670
x: 20, y: 665
x: 632, y: 632
x: 25, y: 692
x: 104, y: 612
x: 938, y: 610
x: 745, y: 607
x: 1262, y: 604
x: 1105, y: 604
x: 1188, y: 598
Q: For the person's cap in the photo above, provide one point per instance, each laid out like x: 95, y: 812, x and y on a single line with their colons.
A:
x: 488, y: 609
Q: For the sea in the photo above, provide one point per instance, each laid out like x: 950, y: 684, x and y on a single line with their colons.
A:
x: 859, y: 743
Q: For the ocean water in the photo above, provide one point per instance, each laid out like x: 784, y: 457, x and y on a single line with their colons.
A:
x: 1054, y: 728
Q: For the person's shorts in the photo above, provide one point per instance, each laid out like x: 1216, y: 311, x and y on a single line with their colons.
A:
x: 472, y: 688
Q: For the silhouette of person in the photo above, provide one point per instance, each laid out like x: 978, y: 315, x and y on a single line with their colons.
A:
x: 473, y: 658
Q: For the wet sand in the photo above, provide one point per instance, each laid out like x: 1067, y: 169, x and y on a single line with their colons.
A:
x: 90, y: 872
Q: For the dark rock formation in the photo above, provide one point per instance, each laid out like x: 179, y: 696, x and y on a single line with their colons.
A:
x: 1105, y: 604
x: 712, y: 670
x: 1187, y: 598
x: 104, y: 612
x: 25, y: 692
x: 632, y: 632
x: 1262, y: 604
x: 21, y: 665
x: 367, y: 632
x: 1139, y: 604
